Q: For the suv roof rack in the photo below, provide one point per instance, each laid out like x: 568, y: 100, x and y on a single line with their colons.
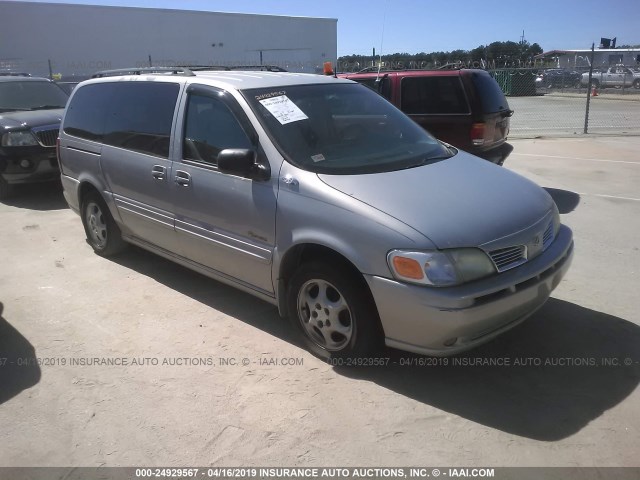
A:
x: 9, y: 73
x: 186, y: 70
x: 227, y: 68
x: 139, y: 71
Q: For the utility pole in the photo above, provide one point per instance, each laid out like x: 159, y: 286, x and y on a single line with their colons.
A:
x: 586, y: 113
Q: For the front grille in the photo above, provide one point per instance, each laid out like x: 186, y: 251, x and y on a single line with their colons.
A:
x: 547, y: 237
x: 47, y: 138
x: 510, y: 257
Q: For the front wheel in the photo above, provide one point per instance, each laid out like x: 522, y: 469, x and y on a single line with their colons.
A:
x: 636, y: 84
x: 102, y: 232
x: 333, y: 311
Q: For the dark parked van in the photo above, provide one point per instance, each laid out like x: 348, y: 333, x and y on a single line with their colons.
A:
x: 465, y: 108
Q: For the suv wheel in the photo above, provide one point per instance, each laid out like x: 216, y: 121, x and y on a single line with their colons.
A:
x: 102, y: 232
x: 636, y: 84
x: 333, y: 313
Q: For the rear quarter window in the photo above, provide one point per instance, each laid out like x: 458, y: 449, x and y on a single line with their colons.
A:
x: 86, y: 113
x: 132, y: 115
x: 433, y: 95
x: 489, y: 92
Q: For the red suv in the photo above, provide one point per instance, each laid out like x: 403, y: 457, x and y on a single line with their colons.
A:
x: 465, y: 108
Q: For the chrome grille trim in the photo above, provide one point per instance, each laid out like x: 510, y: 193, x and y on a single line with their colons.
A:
x: 507, y: 258
x: 47, y: 138
x: 547, y: 237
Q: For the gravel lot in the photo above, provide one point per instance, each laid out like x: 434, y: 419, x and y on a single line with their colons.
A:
x: 198, y: 374
x: 562, y: 113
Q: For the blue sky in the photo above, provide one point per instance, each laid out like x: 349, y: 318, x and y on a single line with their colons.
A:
x: 441, y: 25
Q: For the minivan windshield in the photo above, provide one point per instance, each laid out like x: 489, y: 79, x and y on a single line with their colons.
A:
x: 31, y: 95
x: 342, y: 128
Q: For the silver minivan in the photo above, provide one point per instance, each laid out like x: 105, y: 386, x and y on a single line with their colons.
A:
x: 317, y: 195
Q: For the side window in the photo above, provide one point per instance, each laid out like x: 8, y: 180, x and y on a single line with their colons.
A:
x: 210, y: 127
x: 86, y: 114
x: 432, y: 95
x: 140, y: 117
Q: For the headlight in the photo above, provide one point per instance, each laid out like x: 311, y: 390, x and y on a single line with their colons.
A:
x: 22, y: 138
x: 440, y: 268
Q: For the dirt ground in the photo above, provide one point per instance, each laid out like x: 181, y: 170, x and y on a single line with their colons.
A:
x: 135, y: 361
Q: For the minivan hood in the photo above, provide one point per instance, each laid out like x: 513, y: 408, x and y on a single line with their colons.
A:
x: 30, y: 119
x: 463, y: 201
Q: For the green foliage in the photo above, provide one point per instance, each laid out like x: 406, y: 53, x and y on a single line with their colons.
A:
x: 494, y: 55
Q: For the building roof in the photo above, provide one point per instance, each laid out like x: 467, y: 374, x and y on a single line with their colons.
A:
x: 586, y: 50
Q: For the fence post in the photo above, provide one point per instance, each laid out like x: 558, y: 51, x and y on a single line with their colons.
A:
x: 586, y: 113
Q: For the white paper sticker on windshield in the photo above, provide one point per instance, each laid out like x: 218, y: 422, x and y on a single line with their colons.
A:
x: 283, y: 109
x: 318, y: 158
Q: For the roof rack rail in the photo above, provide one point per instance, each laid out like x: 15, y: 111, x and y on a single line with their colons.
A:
x: 140, y: 71
x: 227, y: 68
x: 9, y: 73
x: 451, y: 66
x: 263, y: 68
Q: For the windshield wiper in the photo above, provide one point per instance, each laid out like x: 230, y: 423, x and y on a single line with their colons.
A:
x: 14, y: 109
x: 426, y: 160
x: 46, y: 107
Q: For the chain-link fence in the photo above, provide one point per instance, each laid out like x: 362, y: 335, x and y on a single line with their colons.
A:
x: 558, y: 101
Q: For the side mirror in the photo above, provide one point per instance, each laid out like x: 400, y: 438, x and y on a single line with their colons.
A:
x: 242, y: 162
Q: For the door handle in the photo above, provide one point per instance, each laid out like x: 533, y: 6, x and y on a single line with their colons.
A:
x: 183, y: 178
x: 159, y: 172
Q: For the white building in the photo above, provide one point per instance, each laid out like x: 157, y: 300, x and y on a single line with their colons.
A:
x: 78, y: 40
x: 602, y: 58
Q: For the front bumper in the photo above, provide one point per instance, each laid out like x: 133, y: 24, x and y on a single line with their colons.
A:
x: 42, y: 165
x: 446, y: 321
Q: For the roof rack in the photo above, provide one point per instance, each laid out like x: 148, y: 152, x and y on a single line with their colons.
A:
x: 448, y: 66
x: 140, y: 71
x: 451, y: 66
x: 186, y: 70
x: 262, y: 68
x: 9, y: 73
x: 227, y: 68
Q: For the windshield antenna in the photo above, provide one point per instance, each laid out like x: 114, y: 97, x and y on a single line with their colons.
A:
x: 384, y: 21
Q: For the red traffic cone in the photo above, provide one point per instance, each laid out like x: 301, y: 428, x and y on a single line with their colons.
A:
x: 594, y: 91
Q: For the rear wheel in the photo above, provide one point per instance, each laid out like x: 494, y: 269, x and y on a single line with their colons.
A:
x: 102, y: 232
x: 333, y: 311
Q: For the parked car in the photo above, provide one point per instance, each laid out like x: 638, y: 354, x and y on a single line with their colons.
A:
x: 558, y: 77
x: 318, y: 196
x: 30, y: 113
x: 465, y: 108
x: 618, y: 76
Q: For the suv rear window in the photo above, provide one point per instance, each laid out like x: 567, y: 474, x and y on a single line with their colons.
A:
x: 433, y: 95
x: 491, y: 96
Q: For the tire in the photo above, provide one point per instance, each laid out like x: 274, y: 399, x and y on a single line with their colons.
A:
x: 5, y: 188
x: 103, y: 233
x: 636, y: 84
x: 595, y: 83
x: 333, y: 311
